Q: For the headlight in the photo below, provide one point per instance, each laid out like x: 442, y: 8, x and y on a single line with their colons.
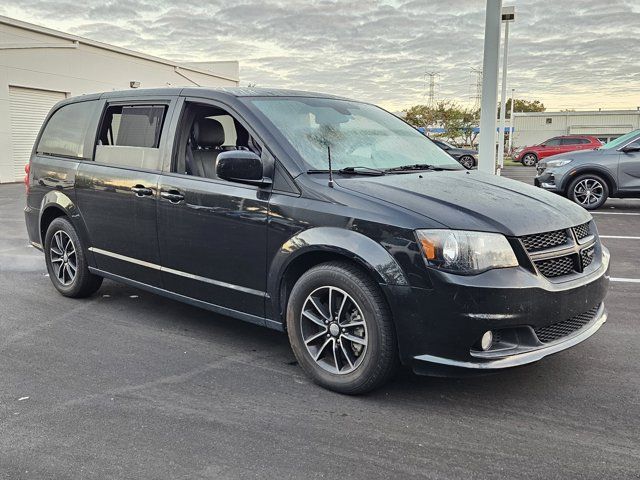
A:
x: 465, y: 252
x: 557, y: 163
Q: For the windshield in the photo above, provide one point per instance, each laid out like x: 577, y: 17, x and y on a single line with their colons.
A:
x: 620, y: 141
x: 357, y: 134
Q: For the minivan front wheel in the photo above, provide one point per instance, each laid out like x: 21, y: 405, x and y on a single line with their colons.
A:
x: 340, y: 329
x: 66, y: 261
x: 589, y: 191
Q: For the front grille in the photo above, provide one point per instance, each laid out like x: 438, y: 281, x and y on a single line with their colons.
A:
x: 556, y: 267
x: 543, y: 241
x: 582, y: 231
x: 561, y: 329
x: 556, y: 254
x: 586, y: 256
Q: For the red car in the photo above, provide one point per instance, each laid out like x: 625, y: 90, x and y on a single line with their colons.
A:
x: 529, y: 156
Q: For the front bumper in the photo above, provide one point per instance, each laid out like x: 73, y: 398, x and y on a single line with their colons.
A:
x: 439, y: 328
x: 547, y: 179
x: 530, y: 355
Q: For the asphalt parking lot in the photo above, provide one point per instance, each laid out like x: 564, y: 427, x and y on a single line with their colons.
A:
x: 130, y: 385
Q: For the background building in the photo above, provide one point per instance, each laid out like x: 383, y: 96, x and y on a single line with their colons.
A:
x: 534, y: 127
x: 40, y: 66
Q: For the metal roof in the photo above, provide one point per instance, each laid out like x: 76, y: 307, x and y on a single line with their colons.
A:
x: 576, y: 113
x: 105, y: 46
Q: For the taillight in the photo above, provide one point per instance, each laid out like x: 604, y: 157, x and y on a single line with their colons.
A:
x: 27, y: 169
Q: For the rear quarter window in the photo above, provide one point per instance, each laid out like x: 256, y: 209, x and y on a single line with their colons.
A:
x: 68, y: 132
x: 130, y: 136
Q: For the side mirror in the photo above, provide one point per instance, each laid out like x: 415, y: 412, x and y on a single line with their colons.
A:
x: 542, y: 145
x: 632, y: 147
x: 241, y: 166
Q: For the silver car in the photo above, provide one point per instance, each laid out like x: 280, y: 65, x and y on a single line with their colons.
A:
x: 590, y: 177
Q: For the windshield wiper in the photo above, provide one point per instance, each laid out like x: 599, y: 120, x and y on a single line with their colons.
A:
x: 417, y: 166
x: 358, y: 170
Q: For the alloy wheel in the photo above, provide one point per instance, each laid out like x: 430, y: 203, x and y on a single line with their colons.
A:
x: 467, y: 162
x: 588, y: 192
x: 63, y: 257
x: 529, y: 160
x: 333, y: 330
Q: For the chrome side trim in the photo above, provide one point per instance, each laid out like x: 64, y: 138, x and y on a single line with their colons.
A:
x: 190, y: 276
x: 125, y: 258
x: 247, y: 317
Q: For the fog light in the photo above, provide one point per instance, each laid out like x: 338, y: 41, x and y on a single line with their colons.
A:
x: 486, y: 341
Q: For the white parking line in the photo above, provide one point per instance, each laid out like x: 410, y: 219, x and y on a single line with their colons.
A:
x: 615, y: 213
x: 627, y: 280
x: 620, y: 237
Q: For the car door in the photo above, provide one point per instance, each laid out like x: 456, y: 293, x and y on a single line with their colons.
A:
x: 118, y: 192
x: 629, y: 167
x: 212, y: 232
x: 551, y: 147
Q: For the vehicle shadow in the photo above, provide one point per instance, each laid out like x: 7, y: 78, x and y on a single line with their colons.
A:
x: 235, y: 337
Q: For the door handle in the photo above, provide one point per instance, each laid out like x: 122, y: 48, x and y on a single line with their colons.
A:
x: 174, y: 196
x: 141, y: 191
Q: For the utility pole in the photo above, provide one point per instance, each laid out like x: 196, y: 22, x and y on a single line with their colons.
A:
x: 513, y: 100
x: 478, y: 87
x: 508, y: 16
x: 489, y: 105
x: 432, y: 88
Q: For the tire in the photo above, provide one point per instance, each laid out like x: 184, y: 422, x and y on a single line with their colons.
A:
x: 63, y: 250
x: 590, y: 191
x: 467, y: 161
x: 529, y: 159
x: 343, y: 365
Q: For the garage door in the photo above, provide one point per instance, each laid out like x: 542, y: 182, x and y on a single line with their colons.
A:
x: 28, y: 108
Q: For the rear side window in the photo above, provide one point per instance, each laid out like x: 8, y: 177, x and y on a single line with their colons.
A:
x: 133, y: 126
x: 129, y: 136
x: 571, y: 141
x: 66, y: 133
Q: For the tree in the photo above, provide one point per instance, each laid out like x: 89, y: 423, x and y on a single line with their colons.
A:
x: 458, y: 122
x: 521, y: 105
x: 420, y: 116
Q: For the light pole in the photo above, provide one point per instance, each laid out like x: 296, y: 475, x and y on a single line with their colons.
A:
x: 513, y: 99
x: 508, y: 16
x: 489, y: 105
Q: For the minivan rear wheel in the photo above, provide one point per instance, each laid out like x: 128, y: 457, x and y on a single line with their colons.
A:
x: 340, y: 329
x: 67, y: 262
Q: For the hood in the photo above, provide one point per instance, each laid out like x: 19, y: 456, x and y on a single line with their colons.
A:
x: 470, y: 200
x: 580, y: 155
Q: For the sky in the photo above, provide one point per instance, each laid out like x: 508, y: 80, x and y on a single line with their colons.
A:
x: 582, y: 54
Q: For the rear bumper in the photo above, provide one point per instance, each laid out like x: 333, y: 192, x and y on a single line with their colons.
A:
x: 438, y: 329
x: 32, y: 221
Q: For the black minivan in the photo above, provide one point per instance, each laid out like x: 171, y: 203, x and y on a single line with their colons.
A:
x: 327, y: 218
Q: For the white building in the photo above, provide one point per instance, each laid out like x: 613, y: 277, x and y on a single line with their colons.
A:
x: 40, y: 66
x: 534, y: 127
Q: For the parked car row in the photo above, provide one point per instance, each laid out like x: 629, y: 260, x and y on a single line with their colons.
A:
x: 590, y: 177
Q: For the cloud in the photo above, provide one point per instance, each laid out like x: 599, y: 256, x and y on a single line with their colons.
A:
x: 569, y: 56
